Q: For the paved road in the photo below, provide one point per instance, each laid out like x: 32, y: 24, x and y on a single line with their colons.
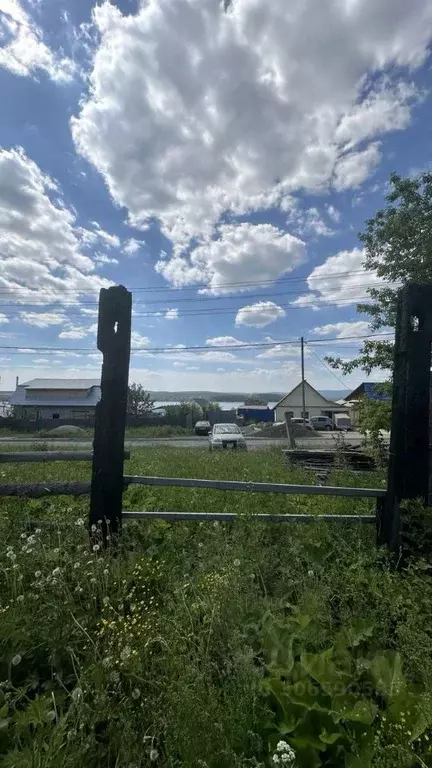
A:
x: 324, y: 440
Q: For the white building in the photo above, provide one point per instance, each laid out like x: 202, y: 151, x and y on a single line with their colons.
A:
x: 315, y: 404
x: 56, y: 399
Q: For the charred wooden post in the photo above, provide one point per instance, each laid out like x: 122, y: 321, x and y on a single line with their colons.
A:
x: 113, y: 340
x: 408, y: 474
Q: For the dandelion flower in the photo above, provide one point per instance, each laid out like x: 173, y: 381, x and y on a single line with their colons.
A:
x: 23, y: 536
x: 126, y: 652
x: 38, y: 574
x: 77, y: 565
x: 154, y: 754
x: 99, y: 522
x: 96, y: 547
x: 79, y: 522
x: 38, y: 530
x: 56, y: 572
x: 11, y: 555
x: 76, y: 694
x: 106, y: 601
x: 93, y: 580
x: 236, y: 563
x: 16, y: 660
x: 136, y: 693
x: 93, y: 528
x: 56, y: 550
x: 20, y: 599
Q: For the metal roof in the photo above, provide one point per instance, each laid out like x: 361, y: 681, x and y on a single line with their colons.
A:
x: 61, y: 384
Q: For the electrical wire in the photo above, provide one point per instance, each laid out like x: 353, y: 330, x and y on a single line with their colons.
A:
x: 207, y: 348
x: 330, y: 370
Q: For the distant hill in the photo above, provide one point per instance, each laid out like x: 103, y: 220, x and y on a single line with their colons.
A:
x: 234, y: 397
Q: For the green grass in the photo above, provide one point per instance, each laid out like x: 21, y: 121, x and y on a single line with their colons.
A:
x: 197, y: 644
x: 156, y: 431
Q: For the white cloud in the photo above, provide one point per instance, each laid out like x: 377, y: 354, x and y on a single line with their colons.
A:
x: 242, y: 253
x: 41, y: 258
x: 333, y: 213
x: 353, y: 168
x: 132, y: 246
x: 308, y: 222
x: 260, y: 314
x: 218, y: 112
x: 22, y: 50
x: 3, y: 319
x: 224, y: 341
x: 218, y: 357
x: 280, y: 350
x: 172, y: 314
x: 343, y: 330
x: 102, y: 258
x: 138, y: 340
x: 74, y: 332
x: 42, y: 319
x: 340, y: 280
x: 179, y: 365
x: 99, y: 236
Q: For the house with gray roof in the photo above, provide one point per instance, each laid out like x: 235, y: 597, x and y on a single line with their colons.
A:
x: 56, y: 399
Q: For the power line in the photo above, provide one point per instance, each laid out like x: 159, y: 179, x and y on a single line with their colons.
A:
x: 207, y: 348
x: 189, y: 312
x: 330, y: 370
x: 205, y: 284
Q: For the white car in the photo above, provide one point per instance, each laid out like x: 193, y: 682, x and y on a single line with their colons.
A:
x: 226, y: 436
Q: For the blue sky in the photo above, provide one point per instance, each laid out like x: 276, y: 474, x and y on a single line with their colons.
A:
x: 220, y: 165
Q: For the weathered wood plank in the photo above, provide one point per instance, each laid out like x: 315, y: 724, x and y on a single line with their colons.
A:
x: 15, y: 457
x: 225, y: 517
x: 235, y: 485
x: 37, y: 490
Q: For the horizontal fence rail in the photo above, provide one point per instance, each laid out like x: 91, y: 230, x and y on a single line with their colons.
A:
x: 37, y: 490
x: 15, y: 457
x: 236, y: 485
x: 227, y: 517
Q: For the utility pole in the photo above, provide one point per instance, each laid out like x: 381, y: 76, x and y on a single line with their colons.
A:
x: 303, y: 380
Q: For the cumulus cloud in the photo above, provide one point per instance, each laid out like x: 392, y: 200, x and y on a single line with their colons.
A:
x: 232, y: 112
x: 172, y: 314
x: 243, y: 253
x: 138, y: 340
x: 42, y: 319
x: 22, y: 50
x: 40, y: 248
x: 132, y: 246
x: 224, y: 341
x: 3, y: 319
x: 99, y: 236
x: 343, y: 330
x: 340, y: 280
x: 260, y: 314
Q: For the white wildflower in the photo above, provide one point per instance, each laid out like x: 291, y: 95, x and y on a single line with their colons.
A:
x: 24, y: 549
x: 276, y: 759
x: 93, y: 528
x: 56, y: 572
x: 77, y: 565
x: 76, y: 694
x: 106, y: 601
x: 236, y: 563
x: 51, y: 715
x: 20, y: 599
x: 31, y: 540
x: 311, y: 574
x: 96, y: 547
x: 38, y: 530
x: 99, y: 522
x: 106, y: 662
x: 154, y: 754
x: 136, y: 693
x: 16, y: 660
x: 282, y: 746
x: 54, y: 581
x: 23, y: 536
x: 126, y: 652
x: 38, y: 574
x: 106, y: 572
x: 56, y: 550
x: 11, y: 555
x: 79, y: 522
x: 93, y: 580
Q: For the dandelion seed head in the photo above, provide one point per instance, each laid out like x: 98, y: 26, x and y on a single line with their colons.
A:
x: 16, y: 660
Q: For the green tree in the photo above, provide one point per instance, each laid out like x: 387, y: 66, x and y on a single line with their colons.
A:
x: 139, y: 400
x: 398, y: 248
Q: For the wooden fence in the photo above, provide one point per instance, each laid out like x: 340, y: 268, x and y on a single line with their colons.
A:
x: 412, y: 359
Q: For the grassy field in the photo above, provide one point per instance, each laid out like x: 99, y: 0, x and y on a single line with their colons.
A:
x: 193, y: 645
x: 161, y: 430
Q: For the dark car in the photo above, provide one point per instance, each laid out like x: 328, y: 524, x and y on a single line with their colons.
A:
x: 202, y: 428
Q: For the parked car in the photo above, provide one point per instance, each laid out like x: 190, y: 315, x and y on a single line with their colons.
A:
x: 202, y: 428
x: 342, y: 422
x: 226, y: 436
x: 298, y: 420
x: 322, y: 422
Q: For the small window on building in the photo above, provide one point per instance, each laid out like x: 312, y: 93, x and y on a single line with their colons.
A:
x: 56, y: 415
x: 305, y: 414
x: 289, y: 413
